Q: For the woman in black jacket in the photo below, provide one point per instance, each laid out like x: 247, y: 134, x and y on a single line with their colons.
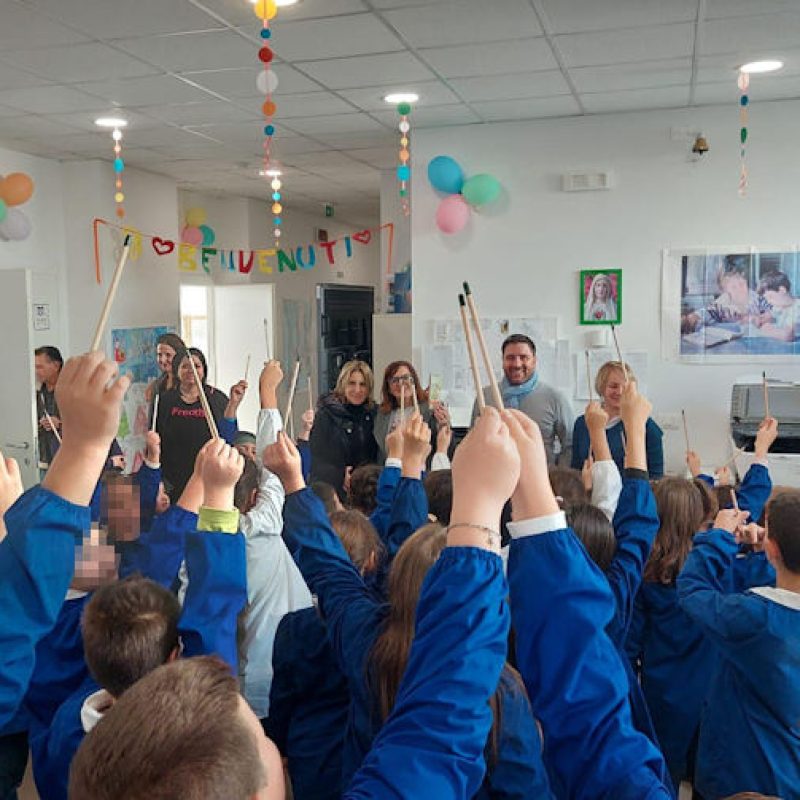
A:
x: 342, y: 435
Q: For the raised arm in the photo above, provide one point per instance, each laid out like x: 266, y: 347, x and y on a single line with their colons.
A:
x: 388, y: 481
x: 606, y: 480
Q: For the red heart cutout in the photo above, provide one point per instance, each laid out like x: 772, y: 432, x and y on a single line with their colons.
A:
x: 365, y: 237
x: 163, y: 247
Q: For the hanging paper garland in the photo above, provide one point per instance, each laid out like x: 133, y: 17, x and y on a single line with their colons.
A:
x: 119, y: 166
x: 267, y: 83
x: 404, y: 170
x: 743, y: 83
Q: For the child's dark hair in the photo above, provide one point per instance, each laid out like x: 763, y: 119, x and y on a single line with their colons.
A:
x: 567, y: 485
x: 363, y: 494
x: 783, y: 513
x: 439, y: 489
x: 246, y: 485
x: 710, y: 501
x: 593, y: 528
x: 327, y: 494
x: 774, y: 281
x: 359, y: 538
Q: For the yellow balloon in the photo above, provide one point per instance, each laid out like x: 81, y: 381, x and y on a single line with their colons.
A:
x: 195, y: 217
x: 265, y: 9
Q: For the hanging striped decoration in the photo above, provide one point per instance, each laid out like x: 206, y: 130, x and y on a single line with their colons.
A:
x: 119, y: 167
x: 404, y: 170
x: 744, y: 101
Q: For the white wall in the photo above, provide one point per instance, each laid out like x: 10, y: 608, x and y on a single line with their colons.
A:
x: 523, y: 255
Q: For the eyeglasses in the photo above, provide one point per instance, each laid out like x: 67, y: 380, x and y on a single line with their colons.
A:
x: 401, y: 379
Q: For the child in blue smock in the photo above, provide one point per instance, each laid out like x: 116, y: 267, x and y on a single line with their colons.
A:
x: 750, y: 728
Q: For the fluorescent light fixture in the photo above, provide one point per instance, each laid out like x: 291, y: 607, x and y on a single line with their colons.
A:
x: 753, y: 67
x: 280, y: 3
x: 111, y: 122
x: 401, y: 97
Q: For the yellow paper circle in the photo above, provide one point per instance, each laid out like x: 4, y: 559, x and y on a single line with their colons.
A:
x: 119, y: 197
x: 195, y: 217
x: 265, y: 9
x: 277, y: 208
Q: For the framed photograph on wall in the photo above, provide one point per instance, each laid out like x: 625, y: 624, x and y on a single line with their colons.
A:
x: 601, y: 296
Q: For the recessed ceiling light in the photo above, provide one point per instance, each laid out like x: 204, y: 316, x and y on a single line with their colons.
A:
x: 280, y: 3
x: 111, y: 122
x: 761, y: 66
x: 270, y: 173
x: 401, y: 97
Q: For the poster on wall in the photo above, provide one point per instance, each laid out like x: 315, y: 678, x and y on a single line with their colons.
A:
x: 731, y: 303
x: 134, y: 351
x: 601, y: 296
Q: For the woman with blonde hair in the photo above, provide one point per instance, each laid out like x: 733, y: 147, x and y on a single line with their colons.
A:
x: 342, y: 437
x: 609, y: 385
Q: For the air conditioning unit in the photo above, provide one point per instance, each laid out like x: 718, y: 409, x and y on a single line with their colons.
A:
x: 586, y: 181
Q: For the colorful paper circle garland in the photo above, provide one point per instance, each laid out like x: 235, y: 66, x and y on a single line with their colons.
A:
x: 119, y: 168
x: 744, y: 101
x: 404, y: 170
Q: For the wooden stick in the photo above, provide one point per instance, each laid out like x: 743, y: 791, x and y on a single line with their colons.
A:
x: 685, y: 430
x: 310, y: 395
x: 266, y: 338
x: 402, y: 403
x: 473, y: 362
x: 52, y: 427
x: 247, y: 368
x: 733, y: 498
x: 201, y: 390
x: 155, y: 412
x: 292, y: 388
x: 619, y: 352
x: 112, y: 291
x: 414, y: 396
x: 498, y: 398
x: 740, y: 451
x: 588, y: 375
x: 766, y: 395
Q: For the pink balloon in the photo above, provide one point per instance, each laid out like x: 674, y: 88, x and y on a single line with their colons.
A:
x: 452, y: 214
x: 192, y: 236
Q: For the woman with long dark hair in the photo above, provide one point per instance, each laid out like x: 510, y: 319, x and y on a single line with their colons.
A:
x: 182, y: 423
x: 168, y: 345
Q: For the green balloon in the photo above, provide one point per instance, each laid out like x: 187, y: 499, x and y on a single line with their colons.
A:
x: 480, y: 190
x: 3, y: 209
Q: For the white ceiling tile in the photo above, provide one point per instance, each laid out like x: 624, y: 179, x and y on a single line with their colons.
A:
x: 152, y: 90
x: 298, y: 144
x: 492, y: 58
x: 509, y: 87
x: 202, y: 113
x: 334, y: 37
x: 379, y: 157
x: 22, y: 28
x: 574, y: 16
x: 433, y: 116
x: 244, y: 132
x: 334, y: 123
x: 431, y: 93
x: 465, y: 21
x: 746, y: 8
x: 346, y: 141
x: 35, y: 127
x: 389, y: 69
x: 84, y: 121
x: 384, y: 4
x: 531, y: 108
x: 11, y: 78
x: 5, y: 111
x: 639, y: 75
x: 752, y: 37
x: 636, y: 99
x: 241, y: 82
x: 193, y: 51
x: 171, y: 138
x: 311, y: 104
x: 624, y: 45
x: 25, y: 145
x: 50, y: 100
x: 238, y: 13
x: 81, y: 62
x: 105, y: 20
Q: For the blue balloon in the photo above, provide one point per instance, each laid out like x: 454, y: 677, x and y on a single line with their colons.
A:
x: 403, y: 173
x: 445, y: 175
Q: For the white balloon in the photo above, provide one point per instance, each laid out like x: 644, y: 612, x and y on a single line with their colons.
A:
x: 16, y: 226
x: 267, y: 81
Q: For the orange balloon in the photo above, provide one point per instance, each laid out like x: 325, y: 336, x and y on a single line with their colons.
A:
x: 16, y: 188
x: 269, y: 108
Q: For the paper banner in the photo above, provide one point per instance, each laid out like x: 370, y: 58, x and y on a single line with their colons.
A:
x: 243, y: 261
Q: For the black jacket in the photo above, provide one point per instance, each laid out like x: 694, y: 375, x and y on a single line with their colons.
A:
x: 341, y: 437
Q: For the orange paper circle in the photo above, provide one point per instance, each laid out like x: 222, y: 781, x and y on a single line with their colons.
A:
x: 269, y: 108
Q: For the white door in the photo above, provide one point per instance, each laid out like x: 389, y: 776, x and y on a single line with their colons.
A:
x: 17, y: 399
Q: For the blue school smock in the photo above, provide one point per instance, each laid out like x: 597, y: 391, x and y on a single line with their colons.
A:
x: 561, y: 605
x: 304, y: 448
x: 354, y: 619
x: 37, y: 562
x: 750, y: 730
x: 308, y: 705
x: 653, y: 443
x: 387, y: 486
x: 454, y: 665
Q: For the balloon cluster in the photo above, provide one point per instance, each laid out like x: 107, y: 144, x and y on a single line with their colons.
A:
x: 15, y: 189
x: 195, y: 231
x: 462, y: 194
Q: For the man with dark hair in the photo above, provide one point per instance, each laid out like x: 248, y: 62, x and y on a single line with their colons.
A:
x: 48, y: 362
x: 521, y: 388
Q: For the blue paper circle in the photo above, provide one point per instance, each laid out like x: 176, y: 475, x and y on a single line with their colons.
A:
x: 266, y: 33
x: 118, y: 165
x: 403, y: 173
x: 277, y: 220
x: 745, y: 100
x: 269, y: 130
x: 445, y: 175
x: 276, y: 196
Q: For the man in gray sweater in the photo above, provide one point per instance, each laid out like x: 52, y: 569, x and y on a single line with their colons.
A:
x: 545, y: 405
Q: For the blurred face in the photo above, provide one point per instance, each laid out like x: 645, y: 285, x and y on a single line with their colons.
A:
x: 46, y: 370
x: 736, y: 287
x: 355, y: 390
x: 164, y: 356
x: 185, y: 375
x: 96, y: 562
x: 401, y: 381
x: 122, y: 509
x: 247, y: 450
x: 612, y: 395
x: 519, y: 363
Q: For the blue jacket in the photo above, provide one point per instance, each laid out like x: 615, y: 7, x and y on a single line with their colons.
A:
x: 655, y: 448
x: 750, y: 731
x: 354, y: 619
x: 453, y: 668
x: 308, y: 705
x: 561, y: 605
x: 387, y: 486
x: 304, y: 448
x: 37, y: 561
x: 753, y: 493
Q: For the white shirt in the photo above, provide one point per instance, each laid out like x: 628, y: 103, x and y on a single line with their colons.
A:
x: 93, y: 708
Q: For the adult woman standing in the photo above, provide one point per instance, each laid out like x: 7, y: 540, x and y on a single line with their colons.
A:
x: 342, y: 436
x: 182, y: 422
x: 168, y: 345
x: 401, y: 377
x: 609, y: 384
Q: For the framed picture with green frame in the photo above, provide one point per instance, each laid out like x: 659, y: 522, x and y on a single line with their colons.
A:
x: 601, y: 296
